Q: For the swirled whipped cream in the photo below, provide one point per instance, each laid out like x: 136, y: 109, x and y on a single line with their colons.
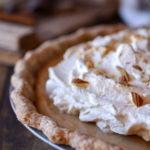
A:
x: 106, y: 81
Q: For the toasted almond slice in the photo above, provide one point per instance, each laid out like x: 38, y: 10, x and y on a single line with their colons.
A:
x: 137, y: 67
x: 112, y: 45
x: 113, y: 76
x: 122, y: 80
x: 89, y: 63
x: 80, y: 83
x: 123, y: 73
x: 97, y: 72
x: 129, y: 37
x: 145, y: 60
x: 137, y: 100
x: 105, y: 52
x: 87, y: 47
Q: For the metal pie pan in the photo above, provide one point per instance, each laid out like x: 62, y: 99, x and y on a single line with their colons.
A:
x: 38, y: 133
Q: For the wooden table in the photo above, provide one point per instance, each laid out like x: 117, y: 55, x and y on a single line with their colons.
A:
x: 13, y: 135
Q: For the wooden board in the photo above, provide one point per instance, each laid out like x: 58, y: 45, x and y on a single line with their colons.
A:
x: 9, y: 58
x: 54, y: 26
x: 15, y: 37
x: 17, y: 18
x: 3, y: 74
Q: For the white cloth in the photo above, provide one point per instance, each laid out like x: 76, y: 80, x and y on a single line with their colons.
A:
x: 132, y: 15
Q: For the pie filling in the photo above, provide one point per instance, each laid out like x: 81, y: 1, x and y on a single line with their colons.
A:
x: 106, y: 81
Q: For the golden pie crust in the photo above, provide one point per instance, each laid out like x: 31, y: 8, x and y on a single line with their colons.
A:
x: 34, y: 108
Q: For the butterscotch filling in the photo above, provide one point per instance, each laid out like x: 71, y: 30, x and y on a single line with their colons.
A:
x: 106, y: 81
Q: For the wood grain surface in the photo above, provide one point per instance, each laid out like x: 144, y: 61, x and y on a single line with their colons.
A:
x: 13, y: 135
x: 9, y: 58
x: 3, y: 74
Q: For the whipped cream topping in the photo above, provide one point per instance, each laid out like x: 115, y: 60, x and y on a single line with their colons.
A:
x: 114, y: 66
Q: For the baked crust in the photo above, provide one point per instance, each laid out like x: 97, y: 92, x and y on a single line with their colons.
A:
x: 24, y: 96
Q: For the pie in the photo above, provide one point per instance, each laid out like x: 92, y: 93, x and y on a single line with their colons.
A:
x: 56, y: 114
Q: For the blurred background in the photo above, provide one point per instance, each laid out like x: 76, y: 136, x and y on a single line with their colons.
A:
x: 25, y: 24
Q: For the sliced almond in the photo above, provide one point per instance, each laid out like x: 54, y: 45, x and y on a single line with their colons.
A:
x: 112, y: 45
x: 87, y: 47
x: 129, y: 37
x: 137, y: 100
x: 97, y: 72
x: 105, y: 52
x: 89, y: 63
x: 146, y: 61
x: 80, y: 83
x: 124, y: 74
x: 113, y: 76
x: 102, y: 72
x: 137, y: 67
x: 123, y: 80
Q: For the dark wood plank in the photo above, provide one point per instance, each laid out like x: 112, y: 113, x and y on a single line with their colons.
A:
x: 3, y: 74
x: 9, y: 58
x: 51, y: 27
